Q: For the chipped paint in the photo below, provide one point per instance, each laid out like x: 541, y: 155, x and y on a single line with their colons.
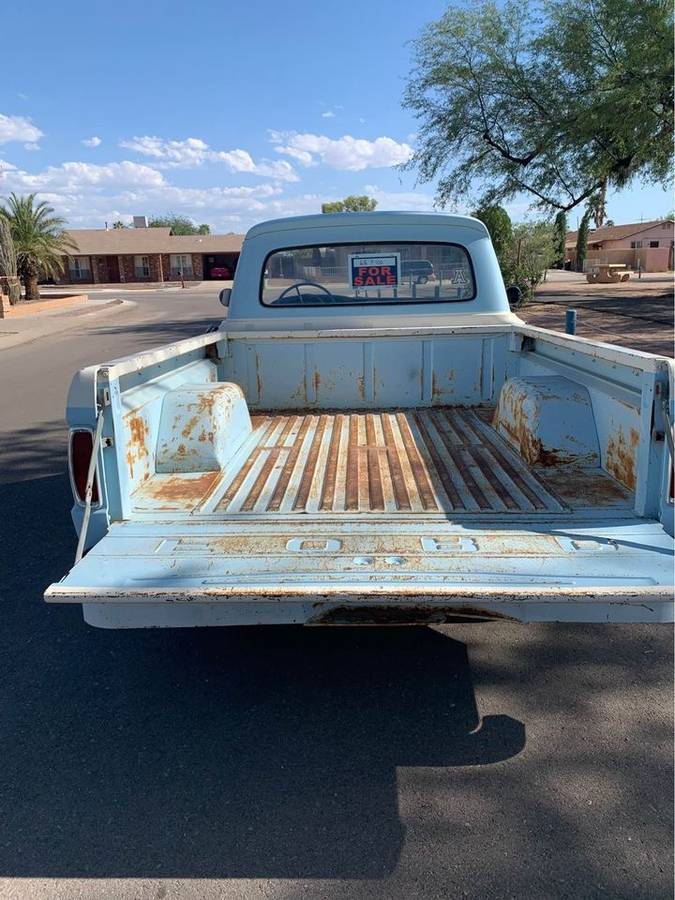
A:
x: 200, y: 425
x: 361, y: 383
x: 258, y: 379
x: 177, y: 491
x: 191, y: 423
x: 550, y: 423
x: 399, y: 614
x: 137, y: 454
x: 621, y: 456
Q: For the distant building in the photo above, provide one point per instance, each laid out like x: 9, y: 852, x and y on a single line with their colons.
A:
x: 650, y: 243
x: 140, y: 254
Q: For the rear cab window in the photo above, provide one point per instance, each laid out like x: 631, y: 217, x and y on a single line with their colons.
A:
x: 367, y: 274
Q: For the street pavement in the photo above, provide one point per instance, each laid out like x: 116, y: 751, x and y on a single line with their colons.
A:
x: 480, y: 761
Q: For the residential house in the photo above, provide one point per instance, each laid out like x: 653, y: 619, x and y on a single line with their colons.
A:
x: 647, y: 244
x: 142, y: 254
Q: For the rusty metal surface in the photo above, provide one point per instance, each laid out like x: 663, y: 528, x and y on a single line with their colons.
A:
x: 622, y: 456
x: 176, y: 492
x: 548, y: 420
x: 409, y: 461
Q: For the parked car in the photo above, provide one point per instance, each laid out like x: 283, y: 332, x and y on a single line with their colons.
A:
x: 221, y: 272
x: 328, y: 458
x: 421, y: 270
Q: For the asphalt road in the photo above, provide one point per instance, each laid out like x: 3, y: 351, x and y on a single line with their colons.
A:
x: 471, y: 761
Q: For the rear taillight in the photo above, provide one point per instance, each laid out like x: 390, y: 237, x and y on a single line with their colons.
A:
x: 81, y: 444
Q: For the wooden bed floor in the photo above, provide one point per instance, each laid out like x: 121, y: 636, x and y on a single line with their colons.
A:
x: 410, y: 461
x: 428, y: 461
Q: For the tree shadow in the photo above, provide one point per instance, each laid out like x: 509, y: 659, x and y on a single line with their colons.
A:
x: 154, y: 332
x: 260, y: 752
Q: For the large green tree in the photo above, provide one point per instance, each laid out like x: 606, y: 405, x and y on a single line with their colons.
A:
x: 558, y: 99
x: 40, y: 241
x: 178, y: 224
x: 353, y: 203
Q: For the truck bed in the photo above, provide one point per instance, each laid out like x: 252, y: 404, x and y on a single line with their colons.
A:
x: 408, y: 462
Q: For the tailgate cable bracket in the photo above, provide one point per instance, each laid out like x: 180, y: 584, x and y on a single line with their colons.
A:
x: 91, y: 472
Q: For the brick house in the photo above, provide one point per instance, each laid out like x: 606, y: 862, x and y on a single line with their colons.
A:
x: 648, y: 243
x: 141, y: 254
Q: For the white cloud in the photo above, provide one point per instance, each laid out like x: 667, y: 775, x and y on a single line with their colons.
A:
x: 346, y: 153
x: 190, y: 152
x: 241, y: 161
x: 31, y: 146
x: 193, y: 152
x: 93, y: 141
x: 73, y: 176
x: 329, y: 114
x: 18, y: 128
x: 87, y: 195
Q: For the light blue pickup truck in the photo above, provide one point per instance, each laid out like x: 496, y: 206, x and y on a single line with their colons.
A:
x: 356, y: 444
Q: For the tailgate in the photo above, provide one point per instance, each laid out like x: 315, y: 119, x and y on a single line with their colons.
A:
x: 323, y: 572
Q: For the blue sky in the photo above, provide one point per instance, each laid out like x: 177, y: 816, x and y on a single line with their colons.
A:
x: 229, y: 113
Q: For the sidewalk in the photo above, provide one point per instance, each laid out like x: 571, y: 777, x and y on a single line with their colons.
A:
x: 25, y: 330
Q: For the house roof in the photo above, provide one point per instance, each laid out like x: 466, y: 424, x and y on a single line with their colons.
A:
x: 114, y: 241
x: 614, y: 232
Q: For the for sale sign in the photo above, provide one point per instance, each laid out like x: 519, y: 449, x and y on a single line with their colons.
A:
x: 370, y: 270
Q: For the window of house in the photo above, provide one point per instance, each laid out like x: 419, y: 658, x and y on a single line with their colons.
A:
x: 79, y: 268
x: 181, y: 265
x: 141, y: 266
x: 653, y: 243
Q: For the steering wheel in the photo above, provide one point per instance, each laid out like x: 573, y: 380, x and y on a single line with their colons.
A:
x: 296, y: 287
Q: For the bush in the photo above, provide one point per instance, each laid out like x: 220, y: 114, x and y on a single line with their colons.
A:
x: 532, y: 252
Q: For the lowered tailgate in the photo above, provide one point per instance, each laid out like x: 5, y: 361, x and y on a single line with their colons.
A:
x: 350, y: 571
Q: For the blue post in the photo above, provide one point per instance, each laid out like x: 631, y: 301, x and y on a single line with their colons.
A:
x: 571, y: 321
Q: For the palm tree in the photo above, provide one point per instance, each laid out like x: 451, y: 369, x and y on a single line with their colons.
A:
x: 39, y: 238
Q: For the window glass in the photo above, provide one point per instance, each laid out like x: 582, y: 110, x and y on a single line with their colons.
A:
x: 142, y: 266
x: 79, y: 267
x: 653, y: 243
x: 367, y: 274
x: 181, y: 264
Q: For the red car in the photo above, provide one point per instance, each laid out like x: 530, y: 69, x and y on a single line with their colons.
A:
x: 223, y: 272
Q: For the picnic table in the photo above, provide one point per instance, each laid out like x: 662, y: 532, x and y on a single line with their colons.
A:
x: 608, y: 273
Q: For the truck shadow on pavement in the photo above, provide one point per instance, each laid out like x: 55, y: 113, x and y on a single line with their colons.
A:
x: 259, y: 752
